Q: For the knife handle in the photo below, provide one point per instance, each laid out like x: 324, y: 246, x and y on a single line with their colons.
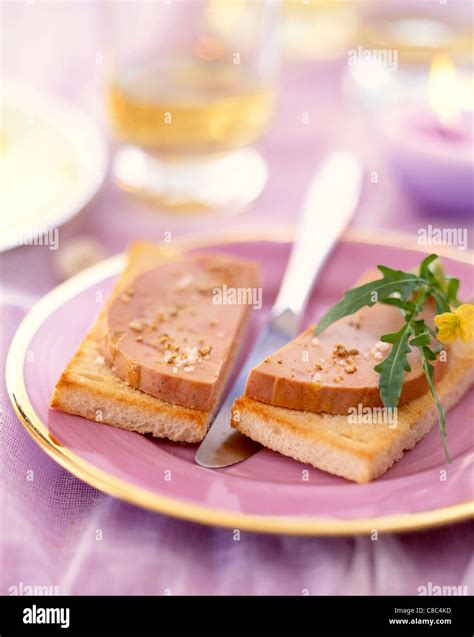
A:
x: 329, y: 205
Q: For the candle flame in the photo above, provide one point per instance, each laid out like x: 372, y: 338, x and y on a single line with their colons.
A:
x: 443, y: 90
x: 209, y: 48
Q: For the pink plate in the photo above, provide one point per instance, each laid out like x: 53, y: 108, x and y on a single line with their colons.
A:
x: 267, y: 492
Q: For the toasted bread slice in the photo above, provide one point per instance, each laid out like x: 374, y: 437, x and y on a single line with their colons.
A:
x: 359, y: 452
x: 88, y: 387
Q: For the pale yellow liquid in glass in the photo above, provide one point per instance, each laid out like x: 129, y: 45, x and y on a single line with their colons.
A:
x: 189, y: 107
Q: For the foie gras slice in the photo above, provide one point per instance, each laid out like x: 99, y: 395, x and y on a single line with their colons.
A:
x: 167, y: 336
x: 335, y: 371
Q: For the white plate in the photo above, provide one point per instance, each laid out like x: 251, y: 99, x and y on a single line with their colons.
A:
x: 52, y: 162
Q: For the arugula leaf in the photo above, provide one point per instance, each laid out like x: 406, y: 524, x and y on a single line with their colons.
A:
x: 442, y: 304
x: 444, y: 289
x: 452, y: 289
x: 435, y: 345
x: 369, y: 294
x: 423, y: 339
x: 407, y: 291
x: 425, y: 269
x: 405, y: 306
x: 392, y: 369
x: 427, y: 356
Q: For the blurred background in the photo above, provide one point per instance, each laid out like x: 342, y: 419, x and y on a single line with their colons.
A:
x: 158, y: 119
x: 136, y: 119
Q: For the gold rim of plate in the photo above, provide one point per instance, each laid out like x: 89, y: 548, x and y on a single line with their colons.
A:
x: 113, y: 486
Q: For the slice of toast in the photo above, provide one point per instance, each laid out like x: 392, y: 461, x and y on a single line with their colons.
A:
x: 358, y: 452
x: 88, y: 387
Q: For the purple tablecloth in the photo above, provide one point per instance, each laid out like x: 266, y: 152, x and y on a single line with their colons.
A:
x: 57, y: 531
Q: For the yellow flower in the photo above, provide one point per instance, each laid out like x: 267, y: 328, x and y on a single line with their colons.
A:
x: 459, y: 323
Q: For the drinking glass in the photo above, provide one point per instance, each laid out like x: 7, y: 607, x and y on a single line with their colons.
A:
x: 191, y: 86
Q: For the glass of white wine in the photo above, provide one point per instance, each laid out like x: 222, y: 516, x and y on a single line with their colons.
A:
x: 191, y: 85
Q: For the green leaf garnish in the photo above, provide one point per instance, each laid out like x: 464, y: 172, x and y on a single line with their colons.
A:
x: 428, y: 267
x: 429, y: 372
x: 423, y: 341
x: 392, y: 369
x: 407, y: 291
x: 452, y: 289
x: 393, y: 281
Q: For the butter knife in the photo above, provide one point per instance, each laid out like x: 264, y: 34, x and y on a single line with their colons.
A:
x: 330, y: 202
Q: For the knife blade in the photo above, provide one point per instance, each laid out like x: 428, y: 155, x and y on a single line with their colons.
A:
x: 334, y: 193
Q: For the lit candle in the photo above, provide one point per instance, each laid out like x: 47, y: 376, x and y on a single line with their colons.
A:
x: 444, y: 97
x: 431, y: 146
